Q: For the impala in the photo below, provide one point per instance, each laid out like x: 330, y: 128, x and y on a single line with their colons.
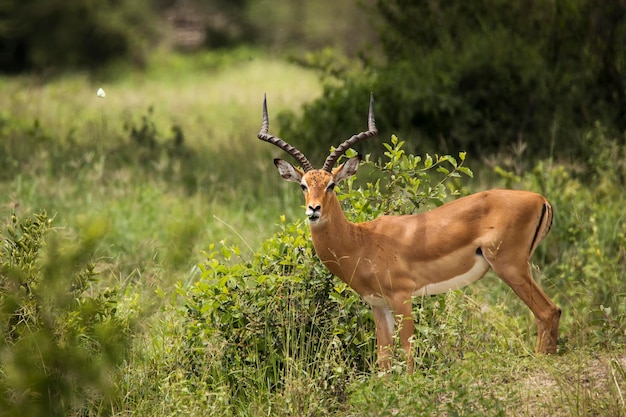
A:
x: 391, y: 259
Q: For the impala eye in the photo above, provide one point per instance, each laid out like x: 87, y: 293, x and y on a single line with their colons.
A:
x: 331, y: 186
x: 303, y: 187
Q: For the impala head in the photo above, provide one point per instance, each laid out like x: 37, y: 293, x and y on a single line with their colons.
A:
x: 318, y: 185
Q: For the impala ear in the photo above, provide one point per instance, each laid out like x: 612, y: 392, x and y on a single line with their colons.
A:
x: 288, y: 171
x: 347, y: 169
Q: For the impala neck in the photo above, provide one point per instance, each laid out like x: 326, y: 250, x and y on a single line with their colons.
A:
x: 333, y: 235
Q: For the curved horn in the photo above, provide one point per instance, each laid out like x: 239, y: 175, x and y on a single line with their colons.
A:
x: 263, y: 135
x: 341, y: 149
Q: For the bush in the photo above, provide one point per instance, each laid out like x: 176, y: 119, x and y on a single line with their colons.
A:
x: 279, y: 311
x: 281, y: 314
x: 63, y: 337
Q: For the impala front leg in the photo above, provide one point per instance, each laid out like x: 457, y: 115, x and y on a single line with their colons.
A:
x: 403, y: 308
x: 384, y: 320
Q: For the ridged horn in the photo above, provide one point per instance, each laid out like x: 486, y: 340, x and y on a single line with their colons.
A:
x: 265, y: 136
x: 341, y: 149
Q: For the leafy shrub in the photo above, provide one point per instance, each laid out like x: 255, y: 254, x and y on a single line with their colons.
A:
x: 62, y: 336
x: 277, y: 310
x: 282, y: 311
x: 403, y: 183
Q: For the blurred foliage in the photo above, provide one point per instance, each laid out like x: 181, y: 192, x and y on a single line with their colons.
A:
x: 48, y: 36
x: 480, y: 76
x: 62, y: 337
x: 51, y: 36
x: 29, y: 145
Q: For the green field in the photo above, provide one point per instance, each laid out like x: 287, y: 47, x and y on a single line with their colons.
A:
x: 218, y: 111
x: 205, y: 282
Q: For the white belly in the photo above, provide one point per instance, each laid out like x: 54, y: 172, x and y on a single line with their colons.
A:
x: 475, y: 273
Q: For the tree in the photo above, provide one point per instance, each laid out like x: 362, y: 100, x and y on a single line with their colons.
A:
x: 480, y: 75
x: 45, y: 35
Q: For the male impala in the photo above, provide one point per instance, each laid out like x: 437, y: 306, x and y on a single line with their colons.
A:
x: 393, y: 258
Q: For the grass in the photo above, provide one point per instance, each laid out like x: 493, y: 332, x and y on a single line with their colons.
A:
x: 477, y: 354
x: 217, y: 109
x: 214, y: 105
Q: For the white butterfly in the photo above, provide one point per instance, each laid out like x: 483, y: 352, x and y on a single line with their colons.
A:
x: 101, y: 93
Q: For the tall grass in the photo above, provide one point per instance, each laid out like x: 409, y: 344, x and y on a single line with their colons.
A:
x: 76, y: 154
x: 216, y: 100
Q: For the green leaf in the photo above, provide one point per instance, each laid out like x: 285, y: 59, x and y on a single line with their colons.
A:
x: 428, y: 162
x: 466, y: 171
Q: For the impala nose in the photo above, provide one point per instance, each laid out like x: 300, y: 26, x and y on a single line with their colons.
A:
x: 313, y: 212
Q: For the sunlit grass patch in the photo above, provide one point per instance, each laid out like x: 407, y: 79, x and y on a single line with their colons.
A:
x: 212, y: 105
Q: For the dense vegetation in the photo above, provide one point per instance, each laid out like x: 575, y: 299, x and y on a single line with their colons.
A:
x: 107, y: 37
x: 152, y: 261
x: 482, y: 76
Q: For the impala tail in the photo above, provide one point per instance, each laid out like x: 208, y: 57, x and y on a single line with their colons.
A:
x: 544, y: 226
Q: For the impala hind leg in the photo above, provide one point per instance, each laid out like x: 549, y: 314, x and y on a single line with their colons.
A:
x: 546, y: 313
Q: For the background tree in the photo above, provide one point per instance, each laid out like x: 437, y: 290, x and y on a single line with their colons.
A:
x: 483, y: 74
x: 45, y: 35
